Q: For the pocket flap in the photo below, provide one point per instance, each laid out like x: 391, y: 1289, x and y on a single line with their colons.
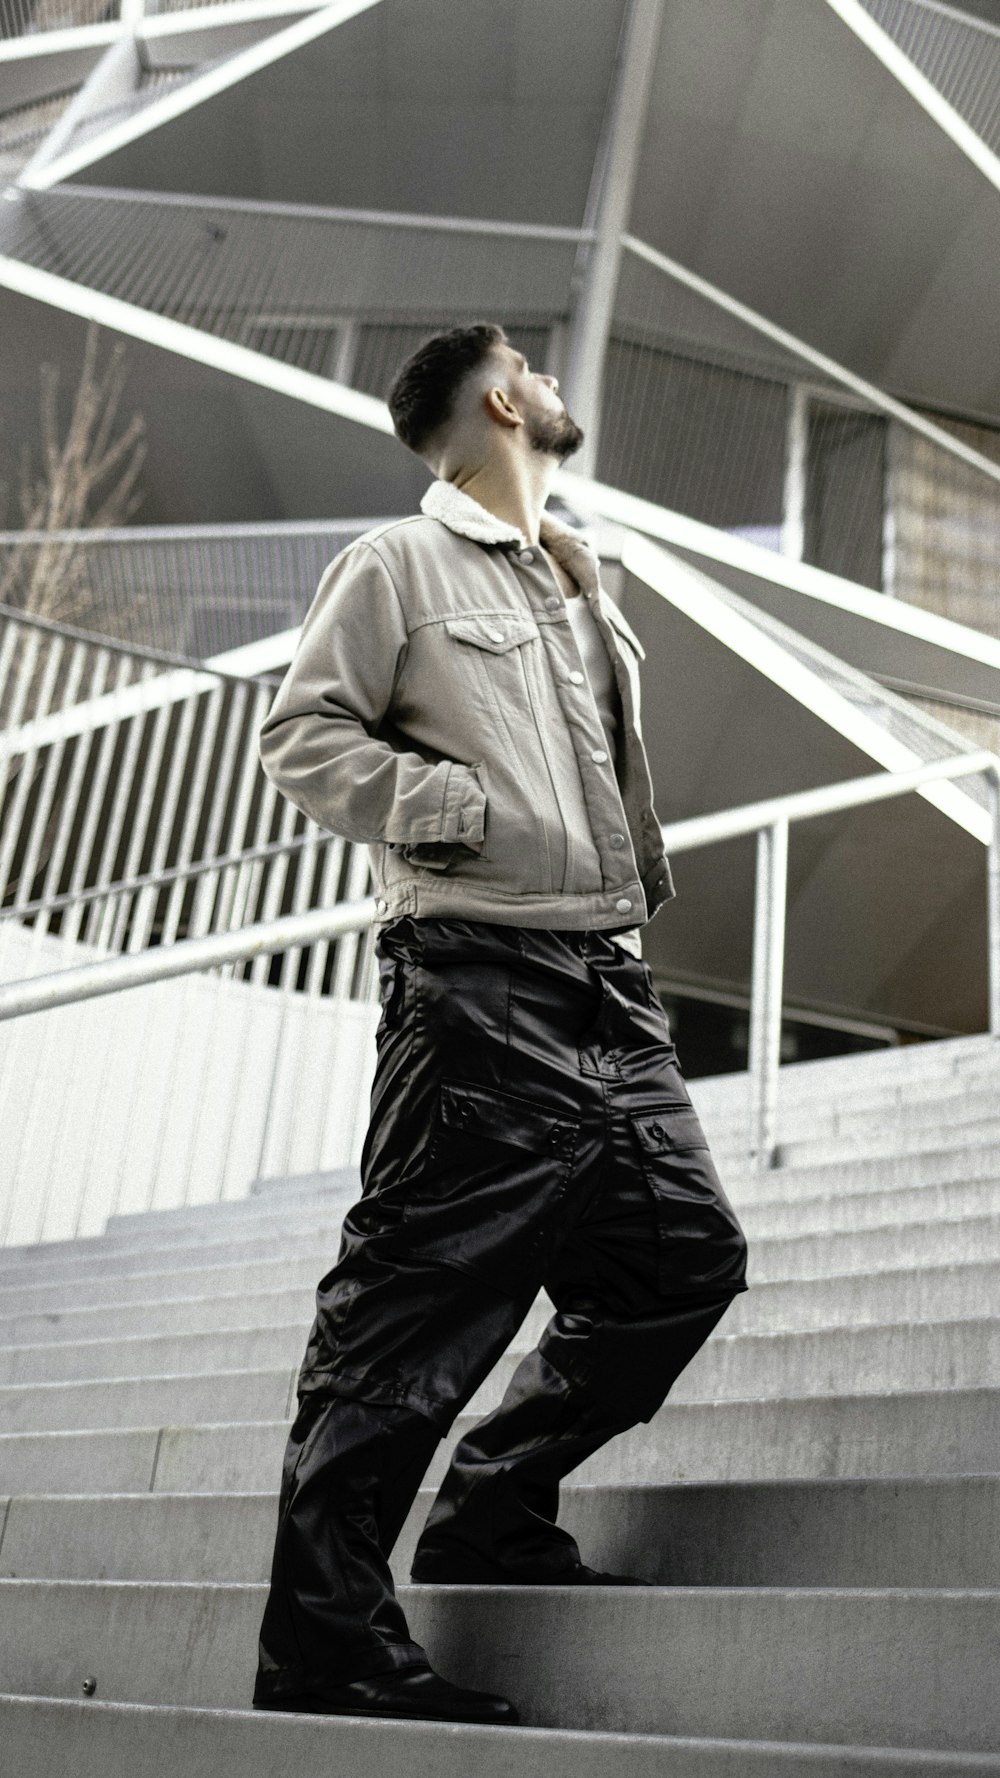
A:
x: 668, y: 1127
x: 495, y: 631
x: 482, y: 1111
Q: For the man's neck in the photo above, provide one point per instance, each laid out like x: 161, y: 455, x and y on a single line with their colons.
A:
x: 516, y: 494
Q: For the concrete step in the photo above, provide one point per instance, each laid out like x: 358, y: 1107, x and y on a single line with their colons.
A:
x: 810, y: 1254
x: 891, y: 1246
x: 265, y: 1198
x: 933, y: 1532
x: 185, y: 1743
x: 765, y: 1212
x: 939, y: 1058
x: 891, y: 1137
x: 831, y: 1212
x: 871, y: 1666
x: 953, y: 1105
x: 143, y: 1401
x: 165, y: 1315
x: 52, y: 1261
x: 318, y: 1227
x: 917, y: 1293
x: 92, y: 1385
x: 951, y: 1432
x: 232, y: 1277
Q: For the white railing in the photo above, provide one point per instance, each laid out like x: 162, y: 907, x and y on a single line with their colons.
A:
x: 770, y: 820
x: 191, y: 1086
x: 109, y: 975
x: 135, y: 822
x: 959, y: 55
x: 342, y: 294
x: 133, y: 807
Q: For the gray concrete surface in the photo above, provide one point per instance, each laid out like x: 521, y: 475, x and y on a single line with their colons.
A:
x: 244, y: 1744
x: 664, y: 1660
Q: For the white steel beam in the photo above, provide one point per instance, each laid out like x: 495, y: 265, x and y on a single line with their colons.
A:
x: 926, y: 94
x: 693, y: 593
x: 194, y: 92
x: 615, y: 171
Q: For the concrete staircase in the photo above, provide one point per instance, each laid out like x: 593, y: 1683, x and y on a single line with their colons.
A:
x: 819, y: 1498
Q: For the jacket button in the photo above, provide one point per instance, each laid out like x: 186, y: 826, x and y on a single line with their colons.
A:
x: 616, y: 840
x: 623, y: 905
x: 599, y: 755
x: 495, y: 635
x: 576, y: 678
x: 658, y: 1131
x: 552, y: 603
x: 381, y: 905
x: 526, y: 557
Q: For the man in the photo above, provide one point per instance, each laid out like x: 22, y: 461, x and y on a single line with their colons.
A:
x: 465, y: 699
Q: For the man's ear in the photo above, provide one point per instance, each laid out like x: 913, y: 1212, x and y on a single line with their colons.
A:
x: 499, y: 407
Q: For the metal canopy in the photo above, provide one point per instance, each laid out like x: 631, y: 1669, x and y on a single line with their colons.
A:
x: 886, y: 904
x: 784, y: 162
x: 219, y: 448
x: 496, y: 111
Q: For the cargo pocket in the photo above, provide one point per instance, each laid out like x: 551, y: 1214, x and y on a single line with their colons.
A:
x: 392, y: 990
x: 488, y: 1195
x: 699, y: 1239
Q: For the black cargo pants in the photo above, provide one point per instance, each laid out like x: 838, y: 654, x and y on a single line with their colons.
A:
x: 529, y: 1127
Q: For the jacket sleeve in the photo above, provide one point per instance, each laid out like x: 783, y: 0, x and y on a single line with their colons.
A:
x: 317, y: 743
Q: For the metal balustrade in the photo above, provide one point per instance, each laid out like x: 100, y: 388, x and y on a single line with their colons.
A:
x: 708, y: 408
x: 189, y: 592
x: 959, y: 55
x: 24, y: 127
x: 770, y: 820
x: 298, y: 282
x: 133, y: 807
x: 137, y: 827
x: 716, y: 412
x: 24, y: 18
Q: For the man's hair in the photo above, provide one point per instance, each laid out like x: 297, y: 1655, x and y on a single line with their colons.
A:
x: 423, y: 394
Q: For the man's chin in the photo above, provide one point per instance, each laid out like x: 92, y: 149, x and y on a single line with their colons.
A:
x: 559, y: 439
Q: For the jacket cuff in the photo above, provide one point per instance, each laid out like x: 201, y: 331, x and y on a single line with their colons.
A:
x: 464, y: 815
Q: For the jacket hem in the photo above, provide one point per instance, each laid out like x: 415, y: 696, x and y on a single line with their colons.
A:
x: 460, y: 901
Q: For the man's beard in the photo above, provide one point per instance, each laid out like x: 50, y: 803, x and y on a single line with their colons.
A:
x: 558, y: 435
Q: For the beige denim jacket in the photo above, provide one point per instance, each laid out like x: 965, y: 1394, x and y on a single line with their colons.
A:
x: 437, y: 708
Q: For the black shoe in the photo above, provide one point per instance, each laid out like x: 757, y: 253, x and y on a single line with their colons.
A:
x: 444, y: 1571
x: 416, y: 1692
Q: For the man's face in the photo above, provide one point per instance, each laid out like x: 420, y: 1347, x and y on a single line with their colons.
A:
x: 536, y: 396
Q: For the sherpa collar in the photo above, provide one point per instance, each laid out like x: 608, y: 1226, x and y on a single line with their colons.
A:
x: 461, y: 513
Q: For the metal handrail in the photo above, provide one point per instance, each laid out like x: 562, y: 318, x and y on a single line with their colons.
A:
x: 63, y: 987
x: 770, y: 820
x: 174, y: 873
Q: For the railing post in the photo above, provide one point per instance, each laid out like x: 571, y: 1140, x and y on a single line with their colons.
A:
x: 766, y: 988
x: 993, y: 900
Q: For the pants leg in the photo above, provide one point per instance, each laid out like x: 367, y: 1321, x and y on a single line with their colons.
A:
x: 501, y: 1109
x: 351, y: 1471
x: 639, y: 1282
x: 430, y: 1285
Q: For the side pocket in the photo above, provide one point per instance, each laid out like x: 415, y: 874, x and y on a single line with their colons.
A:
x: 700, y: 1241
x: 392, y: 988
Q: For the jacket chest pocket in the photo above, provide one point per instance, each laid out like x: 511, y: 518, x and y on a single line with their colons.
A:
x: 493, y: 634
